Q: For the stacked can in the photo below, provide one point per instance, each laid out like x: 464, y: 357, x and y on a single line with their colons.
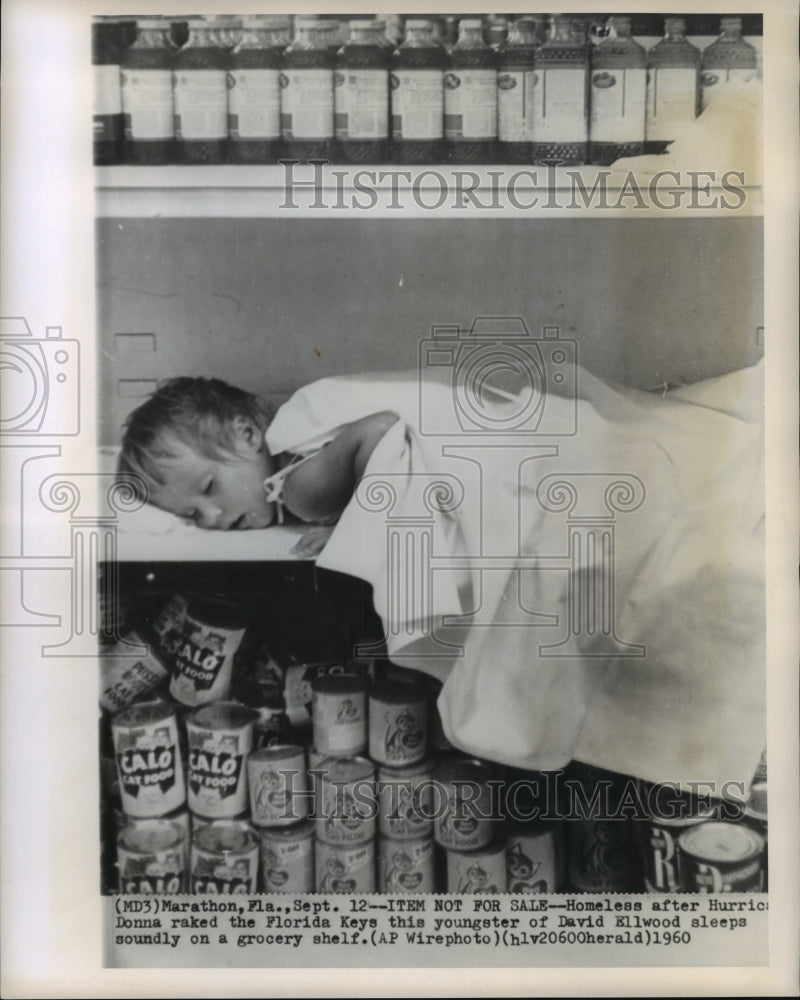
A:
x: 721, y: 857
x: 203, y: 665
x: 345, y: 826
x: 671, y: 813
x: 152, y: 790
x: 465, y: 824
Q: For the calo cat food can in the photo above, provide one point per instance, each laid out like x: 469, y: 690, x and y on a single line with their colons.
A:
x: 220, y: 737
x: 406, y: 865
x: 147, y: 754
x: 203, y: 664
x: 344, y: 869
x: 225, y: 858
x: 151, y: 857
x: 398, y: 723
x: 278, y: 784
x: 287, y: 858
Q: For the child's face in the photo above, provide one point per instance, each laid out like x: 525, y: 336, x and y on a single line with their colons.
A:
x: 214, y: 493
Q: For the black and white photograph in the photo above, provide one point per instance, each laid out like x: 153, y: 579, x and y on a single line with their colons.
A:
x: 399, y: 521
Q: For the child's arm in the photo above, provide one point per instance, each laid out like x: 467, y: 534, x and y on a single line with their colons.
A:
x: 320, y: 489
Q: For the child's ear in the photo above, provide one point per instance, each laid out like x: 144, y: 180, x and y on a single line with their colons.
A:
x: 248, y: 433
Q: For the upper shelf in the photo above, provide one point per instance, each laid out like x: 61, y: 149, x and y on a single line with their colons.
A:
x: 643, y: 187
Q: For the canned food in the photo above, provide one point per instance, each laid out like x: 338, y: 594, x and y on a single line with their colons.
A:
x: 348, y: 801
x: 220, y: 737
x: 398, y: 723
x: 278, y: 785
x: 344, y: 869
x: 179, y: 818
x: 287, y: 858
x: 198, y: 822
x: 149, y: 765
x: 339, y: 715
x: 406, y: 865
x: 225, y: 858
x: 720, y: 857
x: 464, y: 819
x: 203, y: 665
x: 405, y: 801
x: 125, y: 677
x: 151, y: 857
x: 670, y: 813
x: 533, y: 858
x: 480, y: 871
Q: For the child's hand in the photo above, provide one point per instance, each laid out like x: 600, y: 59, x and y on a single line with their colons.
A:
x: 312, y: 542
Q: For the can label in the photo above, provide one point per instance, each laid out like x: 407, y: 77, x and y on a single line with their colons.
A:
x: 277, y: 785
x: 345, y: 869
x: 204, y: 662
x: 406, y: 866
x: 721, y: 857
x: 107, y: 90
x: 532, y: 861
x: 201, y: 104
x: 361, y: 104
x: 397, y: 732
x: 217, y: 780
x: 405, y: 806
x: 559, y: 105
x: 348, y: 812
x: 151, y: 858
x: 470, y: 104
x: 618, y: 104
x: 599, y: 855
x: 147, y: 103
x: 149, y: 765
x: 480, y: 872
x: 223, y: 874
x: 671, y: 101
x: 123, y: 681
x: 307, y: 103
x: 515, y: 105
x: 465, y: 823
x: 287, y: 865
x: 417, y: 104
x: 254, y: 104
x: 340, y: 722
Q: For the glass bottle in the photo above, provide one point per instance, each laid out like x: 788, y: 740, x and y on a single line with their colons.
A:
x: 515, y: 82
x: 307, y: 93
x: 497, y: 27
x: 673, y: 83
x: 726, y: 60
x: 201, y: 97
x: 417, y: 82
x: 254, y: 92
x: 618, y: 96
x: 107, y: 92
x: 361, y: 95
x: 147, y: 102
x: 560, y: 106
x: 470, y: 96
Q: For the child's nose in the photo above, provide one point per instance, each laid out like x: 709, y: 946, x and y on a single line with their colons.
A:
x: 209, y: 514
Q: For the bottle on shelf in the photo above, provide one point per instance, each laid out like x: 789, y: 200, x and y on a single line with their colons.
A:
x: 470, y: 96
x: 515, y: 83
x: 618, y: 96
x: 497, y: 27
x: 147, y: 100
x: 673, y: 83
x: 417, y: 82
x: 560, y: 107
x: 107, y: 92
x: 307, y: 93
x: 201, y: 96
x: 729, y: 59
x: 254, y: 91
x: 361, y: 95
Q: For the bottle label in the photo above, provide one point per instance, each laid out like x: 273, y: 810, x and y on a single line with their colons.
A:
x: 201, y: 104
x: 559, y: 105
x: 417, y: 104
x: 470, y: 104
x: 307, y: 103
x: 618, y: 105
x: 515, y: 105
x: 254, y: 104
x: 361, y: 104
x: 107, y: 93
x: 714, y: 80
x: 671, y: 101
x: 147, y: 103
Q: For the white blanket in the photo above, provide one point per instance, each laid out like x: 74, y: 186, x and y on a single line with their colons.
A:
x: 627, y: 533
